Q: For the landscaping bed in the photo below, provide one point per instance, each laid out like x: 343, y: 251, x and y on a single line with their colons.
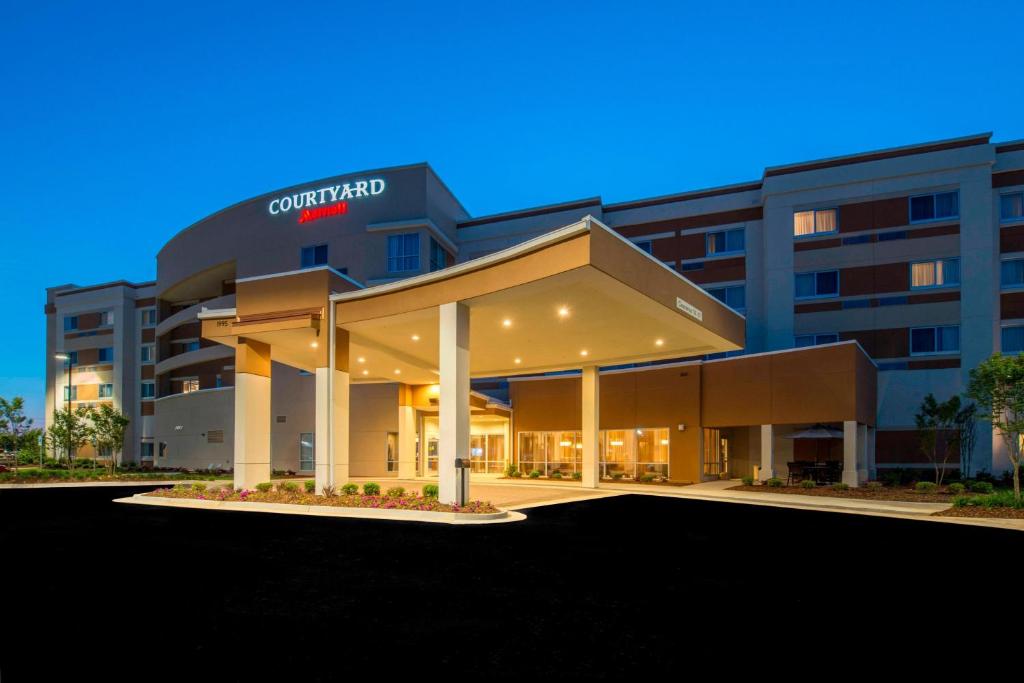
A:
x: 879, y: 493
x: 44, y: 476
x: 999, y: 504
x: 290, y: 493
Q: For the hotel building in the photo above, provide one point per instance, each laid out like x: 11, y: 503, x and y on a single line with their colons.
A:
x: 684, y: 336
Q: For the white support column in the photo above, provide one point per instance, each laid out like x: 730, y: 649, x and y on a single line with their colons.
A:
x: 322, y: 436
x: 591, y: 426
x: 862, y: 453
x: 340, y: 434
x: 872, y: 468
x: 453, y: 408
x: 252, y: 414
x: 851, y: 449
x: 332, y: 411
x: 406, y: 433
x: 767, y: 453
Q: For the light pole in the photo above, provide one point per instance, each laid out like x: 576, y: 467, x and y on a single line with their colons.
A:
x: 66, y: 357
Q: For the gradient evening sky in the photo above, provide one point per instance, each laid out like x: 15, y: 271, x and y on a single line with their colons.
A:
x: 121, y: 123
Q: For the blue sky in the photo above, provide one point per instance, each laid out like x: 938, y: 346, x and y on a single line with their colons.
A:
x: 121, y: 123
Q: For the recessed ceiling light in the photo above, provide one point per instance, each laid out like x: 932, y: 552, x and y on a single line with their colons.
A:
x: 563, y: 312
x: 360, y: 360
x: 659, y: 342
x: 397, y: 371
x: 583, y: 352
x: 518, y: 361
x: 314, y: 345
x: 507, y: 322
x: 415, y: 337
x: 366, y: 372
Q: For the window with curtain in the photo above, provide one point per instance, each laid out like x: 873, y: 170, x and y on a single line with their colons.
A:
x: 725, y: 242
x: 934, y: 206
x: 935, y: 273
x: 815, y: 221
x: 1011, y: 206
x: 403, y: 252
x: 1012, y: 273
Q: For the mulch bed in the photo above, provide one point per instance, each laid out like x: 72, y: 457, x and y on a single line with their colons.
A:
x: 861, y: 493
x: 978, y: 511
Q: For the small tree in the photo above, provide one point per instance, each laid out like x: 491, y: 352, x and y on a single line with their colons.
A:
x: 107, y: 433
x: 997, y: 386
x: 967, y: 429
x: 13, y: 423
x: 934, y: 419
x: 70, y: 431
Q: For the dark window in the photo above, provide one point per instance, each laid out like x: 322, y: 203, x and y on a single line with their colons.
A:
x: 725, y: 242
x: 928, y: 207
x: 403, y: 252
x: 438, y: 256
x: 644, y: 245
x: 819, y: 284
x: 314, y: 256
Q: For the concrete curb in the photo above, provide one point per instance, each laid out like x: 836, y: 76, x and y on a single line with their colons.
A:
x: 455, y: 518
x: 89, y: 484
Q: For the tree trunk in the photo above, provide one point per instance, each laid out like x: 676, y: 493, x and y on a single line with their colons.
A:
x: 1016, y: 479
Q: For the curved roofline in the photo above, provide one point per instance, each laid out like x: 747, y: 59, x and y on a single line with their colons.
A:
x: 268, y: 193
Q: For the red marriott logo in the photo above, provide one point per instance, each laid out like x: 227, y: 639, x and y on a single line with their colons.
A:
x: 310, y: 215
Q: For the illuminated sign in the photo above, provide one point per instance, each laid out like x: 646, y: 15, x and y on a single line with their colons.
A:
x: 310, y: 215
x: 689, y: 309
x: 336, y: 195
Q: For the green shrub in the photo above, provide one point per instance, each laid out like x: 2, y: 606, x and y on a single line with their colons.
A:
x: 264, y: 487
x: 808, y: 484
x: 618, y: 475
x: 310, y: 486
x: 198, y: 488
x: 517, y: 474
x: 840, y: 486
x: 775, y: 482
x: 1000, y: 499
x: 980, y: 487
x: 350, y: 489
x: 430, y: 491
x: 371, y: 489
x: 648, y: 477
x: 748, y: 481
x: 556, y: 475
x: 534, y: 474
x: 925, y: 486
x: 511, y: 471
x: 956, y: 488
x: 396, y: 492
x: 577, y: 476
x: 288, y: 487
x: 875, y: 485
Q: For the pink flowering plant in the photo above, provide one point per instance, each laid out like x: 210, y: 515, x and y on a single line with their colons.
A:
x: 394, y: 499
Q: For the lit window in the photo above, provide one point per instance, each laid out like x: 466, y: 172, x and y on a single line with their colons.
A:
x: 315, y: 255
x: 1012, y: 273
x: 940, y: 339
x: 105, y: 355
x: 1011, y: 206
x: 73, y: 395
x: 935, y: 206
x: 937, y: 273
x: 725, y: 242
x: 149, y: 317
x: 818, y: 284
x: 803, y: 340
x: 189, y: 385
x: 148, y: 390
x: 734, y: 296
x: 403, y: 252
x: 438, y: 256
x: 70, y: 323
x: 815, y: 221
x: 106, y: 391
x: 1013, y: 339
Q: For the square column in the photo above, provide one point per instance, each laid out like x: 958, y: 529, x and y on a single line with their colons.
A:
x: 453, y: 406
x: 862, y: 453
x: 406, y: 433
x: 252, y: 413
x: 871, y: 467
x: 591, y: 426
x: 332, y: 418
x: 851, y: 449
x: 767, y: 453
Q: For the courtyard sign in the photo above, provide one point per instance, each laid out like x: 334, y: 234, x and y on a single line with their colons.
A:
x: 689, y: 309
x: 334, y: 195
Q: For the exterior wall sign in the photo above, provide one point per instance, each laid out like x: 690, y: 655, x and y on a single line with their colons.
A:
x: 336, y: 196
x: 689, y: 309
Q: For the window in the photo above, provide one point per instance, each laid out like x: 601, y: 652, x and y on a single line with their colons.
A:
x: 148, y: 317
x: 148, y: 390
x: 146, y: 450
x: 106, y: 391
x: 146, y: 353
x: 933, y: 207
x: 392, y: 446
x: 189, y: 385
x: 105, y: 355
x: 438, y: 256
x: 107, y: 318
x: 72, y: 358
x: 1012, y: 273
x: 314, y: 256
x: 803, y: 340
x: 403, y: 252
x: 942, y: 339
x: 73, y: 395
x: 307, y: 459
x: 815, y: 221
x: 937, y: 273
x: 186, y: 346
x: 70, y: 323
x: 1013, y: 339
x: 645, y: 246
x: 624, y: 453
x: 725, y: 242
x: 818, y: 284
x: 1011, y: 207
x: 734, y: 296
